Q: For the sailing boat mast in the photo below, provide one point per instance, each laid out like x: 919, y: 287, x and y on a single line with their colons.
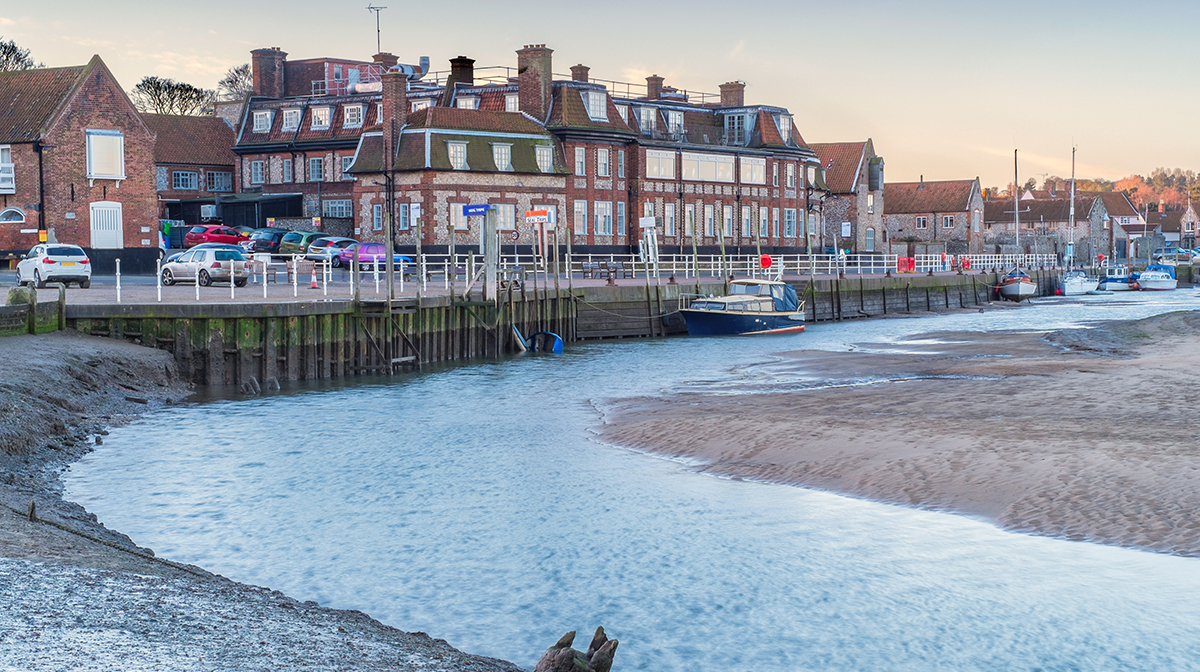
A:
x: 1072, y: 216
x: 1017, y: 206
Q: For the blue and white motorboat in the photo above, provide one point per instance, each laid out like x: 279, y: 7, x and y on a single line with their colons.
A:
x: 751, y: 307
x: 1117, y: 279
x: 1155, y: 280
x: 1076, y: 282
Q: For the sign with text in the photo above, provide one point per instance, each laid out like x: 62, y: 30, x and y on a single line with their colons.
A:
x: 414, y: 211
x: 646, y: 222
x: 845, y: 229
x: 475, y: 210
x: 537, y: 217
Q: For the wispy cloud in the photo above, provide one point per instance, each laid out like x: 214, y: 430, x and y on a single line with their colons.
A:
x: 1057, y: 165
x: 5, y: 21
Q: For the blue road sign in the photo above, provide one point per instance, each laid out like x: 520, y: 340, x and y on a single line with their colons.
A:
x: 472, y: 210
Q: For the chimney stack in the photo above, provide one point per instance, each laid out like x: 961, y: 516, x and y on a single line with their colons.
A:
x: 733, y: 94
x: 654, y: 85
x: 579, y: 72
x: 462, y: 71
x: 921, y: 185
x: 266, y: 68
x: 395, y: 112
x: 386, y: 60
x: 534, y: 80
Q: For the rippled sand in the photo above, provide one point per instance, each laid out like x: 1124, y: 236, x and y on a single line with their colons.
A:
x: 1084, y: 434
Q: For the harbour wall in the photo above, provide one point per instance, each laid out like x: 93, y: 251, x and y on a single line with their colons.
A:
x: 255, y: 345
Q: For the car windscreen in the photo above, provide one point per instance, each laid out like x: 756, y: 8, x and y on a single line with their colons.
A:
x: 230, y: 255
x: 65, y: 252
x: 198, y: 229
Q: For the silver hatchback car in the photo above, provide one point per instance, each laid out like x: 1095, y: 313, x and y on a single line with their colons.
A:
x: 206, y: 266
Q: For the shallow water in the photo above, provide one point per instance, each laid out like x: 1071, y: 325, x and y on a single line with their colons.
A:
x: 471, y: 503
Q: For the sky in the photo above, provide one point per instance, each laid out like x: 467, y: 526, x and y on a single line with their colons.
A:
x: 945, y: 89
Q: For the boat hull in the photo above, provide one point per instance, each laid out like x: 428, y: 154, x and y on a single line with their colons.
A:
x: 718, y: 323
x: 1116, y: 285
x: 1156, y: 285
x: 1017, y: 291
x: 1076, y: 286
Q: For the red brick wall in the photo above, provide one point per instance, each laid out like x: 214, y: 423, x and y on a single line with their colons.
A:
x: 26, y: 198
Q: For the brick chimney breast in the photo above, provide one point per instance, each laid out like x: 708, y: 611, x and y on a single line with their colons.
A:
x: 579, y: 72
x: 266, y: 71
x: 395, y: 112
x: 462, y: 70
x: 733, y: 94
x: 385, y: 59
x: 534, y: 80
x: 654, y: 86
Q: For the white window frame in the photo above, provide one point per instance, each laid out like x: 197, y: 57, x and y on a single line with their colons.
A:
x: 764, y: 223
x: 545, y: 158
x: 467, y: 102
x: 258, y: 171
x: 415, y: 106
x: 774, y: 173
x: 458, y: 221
x: 921, y: 223
x: 603, y: 165
x: 660, y: 164
x: 707, y: 167
x: 95, y: 139
x: 790, y: 175
x: 947, y: 221
x: 735, y: 129
x: 347, y: 162
x: 669, y: 219
x: 621, y: 218
x: 689, y: 219
x: 753, y: 170
x: 581, y: 161
x: 185, y: 180
x: 337, y: 208
x: 674, y: 122
x: 506, y: 216
x: 710, y: 213
x: 581, y: 216
x: 262, y: 121
x: 377, y: 217
x: 502, y: 156
x: 8, y: 171
x: 784, y: 122
x: 604, y: 218
x: 353, y: 116
x: 870, y: 204
x: 747, y: 225
x: 623, y: 112
x: 316, y: 169
x: 512, y: 102
x: 620, y: 163
x: 321, y: 117
x: 287, y: 165
x: 596, y: 103
x: 789, y: 223
x: 775, y: 221
x: 648, y: 119
x: 18, y: 215
x: 291, y: 120
x: 219, y: 180
x: 727, y: 221
x: 453, y: 148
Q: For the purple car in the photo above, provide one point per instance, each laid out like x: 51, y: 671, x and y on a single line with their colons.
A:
x: 370, y: 253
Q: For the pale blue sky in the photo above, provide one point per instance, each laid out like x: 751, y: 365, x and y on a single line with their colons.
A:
x: 945, y: 89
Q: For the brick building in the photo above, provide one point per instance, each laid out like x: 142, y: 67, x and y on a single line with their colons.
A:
x: 933, y: 217
x: 699, y: 164
x: 194, y: 164
x: 1046, y: 226
x: 1178, y: 227
x: 854, y: 173
x: 77, y: 162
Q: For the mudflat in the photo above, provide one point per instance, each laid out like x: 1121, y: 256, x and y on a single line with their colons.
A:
x: 1085, y: 434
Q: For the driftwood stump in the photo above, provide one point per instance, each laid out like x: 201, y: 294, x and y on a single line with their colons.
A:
x: 562, y: 658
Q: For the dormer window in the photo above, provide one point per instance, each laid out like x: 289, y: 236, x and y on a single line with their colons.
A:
x: 467, y: 102
x: 418, y: 105
x: 545, y: 158
x: 458, y: 155
x: 623, y: 112
x: 597, y: 105
x: 320, y: 118
x: 512, y: 102
x: 735, y: 129
x: 262, y: 121
x: 291, y: 120
x: 647, y: 119
x: 354, y: 116
x: 785, y: 126
x: 502, y: 157
x: 674, y: 122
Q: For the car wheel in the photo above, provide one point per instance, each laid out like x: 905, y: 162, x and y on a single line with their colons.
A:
x: 84, y: 284
x: 335, y: 262
x: 37, y: 279
x: 168, y: 278
x: 240, y: 282
x: 205, y: 279
x: 162, y: 254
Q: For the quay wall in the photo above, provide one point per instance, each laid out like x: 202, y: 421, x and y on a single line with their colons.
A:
x: 259, y: 345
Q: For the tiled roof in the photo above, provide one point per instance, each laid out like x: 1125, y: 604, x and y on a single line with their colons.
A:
x: 768, y: 134
x: 568, y: 111
x: 305, y: 132
x: 1041, y: 210
x: 453, y: 118
x: 369, y: 158
x: 203, y: 141
x: 1169, y: 221
x: 921, y: 197
x: 29, y: 99
x: 841, y: 162
x: 1115, y: 202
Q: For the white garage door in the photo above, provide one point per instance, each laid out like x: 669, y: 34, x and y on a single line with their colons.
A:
x: 108, y: 232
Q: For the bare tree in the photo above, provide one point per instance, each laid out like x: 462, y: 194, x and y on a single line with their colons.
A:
x: 167, y: 96
x: 13, y: 57
x: 237, y: 83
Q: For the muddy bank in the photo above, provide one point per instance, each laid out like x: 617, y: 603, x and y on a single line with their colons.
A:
x: 1087, y: 434
x: 79, y: 596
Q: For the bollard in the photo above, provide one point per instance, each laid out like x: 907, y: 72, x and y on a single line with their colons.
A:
x: 264, y: 279
x: 295, y: 277
x: 232, y: 282
x: 118, y: 280
x: 197, y: 282
x: 158, y: 280
x: 375, y: 271
x: 325, y: 272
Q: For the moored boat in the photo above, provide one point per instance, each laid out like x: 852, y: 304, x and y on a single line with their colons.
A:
x: 1076, y: 282
x: 751, y: 307
x: 1017, y: 286
x: 1156, y: 281
x: 1117, y: 279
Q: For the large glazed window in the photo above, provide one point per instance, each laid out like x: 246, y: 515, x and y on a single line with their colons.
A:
x: 105, y: 155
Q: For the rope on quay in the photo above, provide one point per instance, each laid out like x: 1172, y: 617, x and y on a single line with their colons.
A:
x: 609, y: 312
x: 32, y: 516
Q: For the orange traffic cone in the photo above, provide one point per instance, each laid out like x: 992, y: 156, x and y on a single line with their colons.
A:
x: 313, y: 284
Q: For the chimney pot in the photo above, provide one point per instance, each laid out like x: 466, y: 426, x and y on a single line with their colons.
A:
x: 385, y: 59
x: 579, y: 73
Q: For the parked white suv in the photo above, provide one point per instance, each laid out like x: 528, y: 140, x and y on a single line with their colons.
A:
x: 55, y: 262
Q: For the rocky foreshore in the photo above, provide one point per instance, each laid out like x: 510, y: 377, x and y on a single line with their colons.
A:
x: 78, y: 596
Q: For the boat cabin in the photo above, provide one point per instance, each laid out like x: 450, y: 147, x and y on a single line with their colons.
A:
x: 753, y: 296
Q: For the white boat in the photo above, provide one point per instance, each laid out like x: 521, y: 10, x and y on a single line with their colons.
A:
x: 1073, y: 283
x: 1117, y: 279
x: 1017, y: 286
x: 1156, y: 281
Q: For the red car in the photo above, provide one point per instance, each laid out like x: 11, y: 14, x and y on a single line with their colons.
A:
x: 211, y: 233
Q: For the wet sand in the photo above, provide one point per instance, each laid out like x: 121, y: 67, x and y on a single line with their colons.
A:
x: 1083, y: 434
